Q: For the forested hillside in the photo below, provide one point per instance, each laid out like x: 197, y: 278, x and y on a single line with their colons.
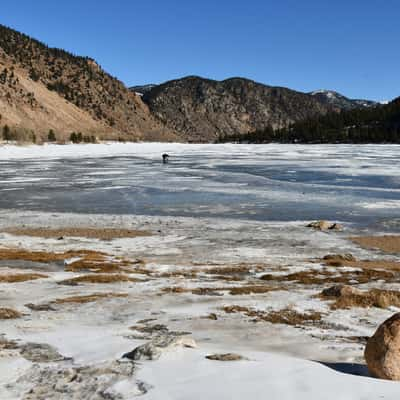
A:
x: 378, y: 124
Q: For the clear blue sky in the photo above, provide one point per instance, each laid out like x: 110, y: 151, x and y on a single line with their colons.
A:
x: 351, y: 46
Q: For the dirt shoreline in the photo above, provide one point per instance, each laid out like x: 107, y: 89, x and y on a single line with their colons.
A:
x: 386, y: 243
x: 92, y: 233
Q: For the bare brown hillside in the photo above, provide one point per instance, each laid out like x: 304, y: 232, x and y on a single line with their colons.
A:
x: 44, y: 88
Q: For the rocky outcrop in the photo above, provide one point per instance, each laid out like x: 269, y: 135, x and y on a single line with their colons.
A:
x: 94, y: 382
x: 40, y: 352
x: 153, y: 349
x: 382, y: 352
x: 203, y: 109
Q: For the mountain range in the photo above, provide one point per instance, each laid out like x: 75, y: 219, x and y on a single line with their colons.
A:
x: 44, y: 88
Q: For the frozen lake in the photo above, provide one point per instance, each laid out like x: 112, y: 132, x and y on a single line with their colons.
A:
x: 353, y: 183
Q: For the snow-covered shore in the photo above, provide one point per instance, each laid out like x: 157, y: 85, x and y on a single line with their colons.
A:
x: 306, y: 361
x: 233, y: 285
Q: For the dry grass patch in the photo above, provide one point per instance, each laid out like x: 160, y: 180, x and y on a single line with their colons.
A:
x: 291, y: 317
x: 6, y: 344
x: 231, y: 270
x: 234, y: 290
x: 46, y: 257
x: 176, y: 289
x: 88, y: 298
x: 347, y: 260
x: 324, y: 276
x: 93, y: 266
x: 215, y: 291
x: 225, y: 357
x: 102, y: 263
x: 13, y: 278
x: 386, y: 243
x: 285, y: 316
x: 99, y: 278
x: 346, y: 297
x: 250, y: 289
x: 92, y: 233
x: 178, y: 273
x: 9, y: 313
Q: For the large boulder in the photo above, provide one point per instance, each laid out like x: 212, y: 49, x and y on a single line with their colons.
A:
x: 382, y: 352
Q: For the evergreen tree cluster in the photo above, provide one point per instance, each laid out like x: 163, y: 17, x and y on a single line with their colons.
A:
x: 380, y: 124
x: 19, y: 135
x: 79, y: 138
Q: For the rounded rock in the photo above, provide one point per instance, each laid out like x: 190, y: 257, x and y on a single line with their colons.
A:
x: 382, y: 353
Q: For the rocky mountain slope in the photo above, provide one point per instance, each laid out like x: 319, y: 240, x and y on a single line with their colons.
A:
x: 336, y: 99
x: 202, y: 109
x: 44, y: 88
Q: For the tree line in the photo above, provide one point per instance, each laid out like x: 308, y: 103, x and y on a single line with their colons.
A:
x: 20, y: 135
x: 380, y: 124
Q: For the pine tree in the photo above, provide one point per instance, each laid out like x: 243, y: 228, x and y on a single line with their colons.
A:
x: 51, y: 137
x: 6, y: 133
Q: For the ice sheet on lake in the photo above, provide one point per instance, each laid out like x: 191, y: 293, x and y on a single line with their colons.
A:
x: 359, y: 183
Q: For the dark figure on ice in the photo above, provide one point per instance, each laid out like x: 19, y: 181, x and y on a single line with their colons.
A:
x: 165, y: 158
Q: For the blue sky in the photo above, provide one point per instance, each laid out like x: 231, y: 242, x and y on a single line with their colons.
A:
x: 350, y: 46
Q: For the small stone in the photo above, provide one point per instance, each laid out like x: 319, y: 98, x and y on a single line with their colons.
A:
x: 225, y: 357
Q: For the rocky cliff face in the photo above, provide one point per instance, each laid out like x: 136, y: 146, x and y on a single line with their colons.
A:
x: 45, y: 88
x: 202, y: 109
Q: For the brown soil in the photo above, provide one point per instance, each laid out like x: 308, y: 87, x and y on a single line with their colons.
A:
x: 9, y: 313
x: 13, y: 278
x: 95, y: 233
x: 372, y: 298
x: 88, y: 298
x: 387, y: 243
x: 99, y: 278
x: 285, y: 316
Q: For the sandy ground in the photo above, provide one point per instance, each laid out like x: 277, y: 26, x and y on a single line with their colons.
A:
x: 73, y: 307
x: 386, y: 243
